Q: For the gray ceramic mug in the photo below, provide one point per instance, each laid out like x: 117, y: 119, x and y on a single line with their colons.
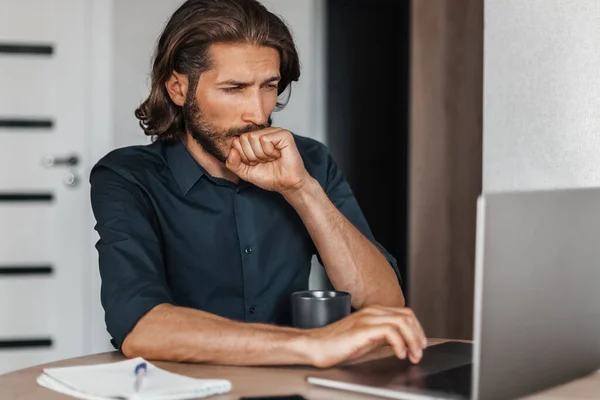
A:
x: 317, y: 308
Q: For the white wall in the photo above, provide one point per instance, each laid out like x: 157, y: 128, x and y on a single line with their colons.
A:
x: 541, y: 94
x: 123, y: 39
x: 137, y: 25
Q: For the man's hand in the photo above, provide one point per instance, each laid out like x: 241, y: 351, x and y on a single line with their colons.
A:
x: 365, y: 330
x: 268, y: 159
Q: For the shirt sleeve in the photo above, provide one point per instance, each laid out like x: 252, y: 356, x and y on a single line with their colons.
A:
x: 339, y: 192
x: 129, y: 250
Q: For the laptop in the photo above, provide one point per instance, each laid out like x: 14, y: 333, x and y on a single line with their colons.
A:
x: 537, y: 307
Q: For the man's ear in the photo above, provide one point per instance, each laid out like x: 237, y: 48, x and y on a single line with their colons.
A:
x: 177, y: 87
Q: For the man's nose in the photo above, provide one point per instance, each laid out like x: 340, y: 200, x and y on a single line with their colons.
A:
x: 254, y: 112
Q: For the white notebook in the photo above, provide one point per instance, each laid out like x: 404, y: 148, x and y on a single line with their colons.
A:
x: 117, y: 381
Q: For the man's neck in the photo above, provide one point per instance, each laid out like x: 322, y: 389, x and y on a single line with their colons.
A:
x: 213, y: 166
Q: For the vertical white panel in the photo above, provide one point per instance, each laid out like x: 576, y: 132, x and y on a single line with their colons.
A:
x: 541, y: 94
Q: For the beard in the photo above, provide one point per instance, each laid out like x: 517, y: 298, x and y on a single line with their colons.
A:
x: 213, y: 140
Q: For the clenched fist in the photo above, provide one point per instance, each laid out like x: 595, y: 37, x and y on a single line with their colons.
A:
x: 268, y: 159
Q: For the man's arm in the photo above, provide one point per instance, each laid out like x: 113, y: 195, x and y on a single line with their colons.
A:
x: 270, y: 159
x: 352, y: 262
x: 172, y: 333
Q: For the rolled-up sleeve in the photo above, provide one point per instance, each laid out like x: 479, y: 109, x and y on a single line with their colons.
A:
x: 130, y: 256
x: 339, y: 192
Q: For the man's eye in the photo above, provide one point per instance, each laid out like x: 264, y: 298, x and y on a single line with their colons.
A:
x: 273, y: 86
x: 232, y: 89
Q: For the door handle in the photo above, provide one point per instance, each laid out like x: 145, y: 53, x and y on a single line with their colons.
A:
x: 68, y: 161
x: 71, y: 179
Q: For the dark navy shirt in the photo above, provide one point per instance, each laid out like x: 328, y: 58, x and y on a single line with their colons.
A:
x: 172, y: 233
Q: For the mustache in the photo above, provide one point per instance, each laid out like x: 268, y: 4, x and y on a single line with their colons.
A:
x: 237, y: 132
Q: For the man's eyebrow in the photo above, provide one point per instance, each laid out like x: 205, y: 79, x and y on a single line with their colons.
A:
x: 275, y: 78
x: 233, y: 82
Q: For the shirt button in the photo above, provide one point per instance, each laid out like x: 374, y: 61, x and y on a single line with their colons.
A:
x: 248, y: 250
x: 251, y: 310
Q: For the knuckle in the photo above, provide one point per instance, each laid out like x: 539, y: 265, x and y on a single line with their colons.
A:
x: 318, y: 359
x: 365, y: 312
x: 365, y: 320
x: 322, y: 362
x: 389, y: 330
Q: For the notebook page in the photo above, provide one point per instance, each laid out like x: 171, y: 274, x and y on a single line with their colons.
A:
x: 116, y: 380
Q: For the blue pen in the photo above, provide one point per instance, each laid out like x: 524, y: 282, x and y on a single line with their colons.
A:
x: 140, y: 372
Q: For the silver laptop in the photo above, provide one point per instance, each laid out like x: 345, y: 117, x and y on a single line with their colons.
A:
x: 537, y: 307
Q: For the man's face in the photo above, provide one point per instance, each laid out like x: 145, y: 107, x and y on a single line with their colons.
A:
x: 236, y: 96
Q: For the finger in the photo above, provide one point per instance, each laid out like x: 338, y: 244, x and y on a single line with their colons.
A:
x: 257, y: 147
x: 406, y: 329
x: 407, y: 311
x: 420, y: 331
x: 269, y: 147
x: 391, y: 335
x: 417, y: 325
x: 248, y: 151
x: 414, y: 321
x: 414, y: 342
x: 234, y: 164
x: 275, y: 142
x: 238, y: 146
x: 234, y: 160
x: 268, y: 130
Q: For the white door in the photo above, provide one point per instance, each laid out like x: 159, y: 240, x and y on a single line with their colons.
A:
x: 44, y: 202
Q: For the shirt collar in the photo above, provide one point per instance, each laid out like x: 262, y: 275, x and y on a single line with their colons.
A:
x: 183, y: 166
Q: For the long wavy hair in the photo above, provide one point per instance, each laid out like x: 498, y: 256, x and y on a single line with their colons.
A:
x: 184, y: 47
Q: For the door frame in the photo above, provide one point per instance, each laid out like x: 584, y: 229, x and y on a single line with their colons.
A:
x: 100, y: 142
x: 446, y: 134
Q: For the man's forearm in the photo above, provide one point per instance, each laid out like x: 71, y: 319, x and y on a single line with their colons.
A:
x: 173, y: 333
x: 352, y: 262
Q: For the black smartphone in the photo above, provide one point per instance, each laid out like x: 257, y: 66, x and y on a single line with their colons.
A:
x: 288, y: 397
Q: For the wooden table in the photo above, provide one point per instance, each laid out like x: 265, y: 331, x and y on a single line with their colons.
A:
x: 250, y: 381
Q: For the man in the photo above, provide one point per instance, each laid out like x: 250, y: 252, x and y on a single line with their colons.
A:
x: 206, y: 232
